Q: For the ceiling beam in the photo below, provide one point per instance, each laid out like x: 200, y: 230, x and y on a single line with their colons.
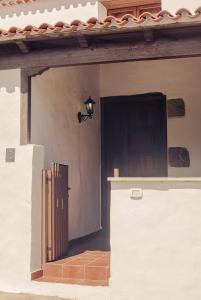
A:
x: 82, y: 40
x: 148, y: 35
x: 32, y: 72
x: 22, y: 46
x: 105, y: 53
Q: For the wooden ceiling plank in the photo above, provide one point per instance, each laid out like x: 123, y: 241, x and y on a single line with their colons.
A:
x: 148, y: 35
x: 22, y: 46
x: 111, y: 4
x: 82, y: 40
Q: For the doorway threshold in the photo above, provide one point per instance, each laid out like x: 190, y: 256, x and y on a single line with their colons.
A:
x: 90, y: 268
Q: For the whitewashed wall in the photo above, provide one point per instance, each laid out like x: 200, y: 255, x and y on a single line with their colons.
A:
x: 57, y: 96
x: 20, y: 231
x: 156, y: 241
x: 174, y: 5
x: 175, y: 78
x: 50, y: 11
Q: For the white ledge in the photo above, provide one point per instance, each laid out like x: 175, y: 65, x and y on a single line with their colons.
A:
x: 154, y: 179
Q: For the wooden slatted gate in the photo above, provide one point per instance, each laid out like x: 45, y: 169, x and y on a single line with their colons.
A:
x: 54, y: 212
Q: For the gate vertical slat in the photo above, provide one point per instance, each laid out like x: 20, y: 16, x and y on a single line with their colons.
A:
x: 44, y: 216
x: 60, y: 211
x: 49, y: 215
x: 54, y: 226
x: 57, y: 229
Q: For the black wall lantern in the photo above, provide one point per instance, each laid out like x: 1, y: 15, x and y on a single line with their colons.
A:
x: 90, y: 110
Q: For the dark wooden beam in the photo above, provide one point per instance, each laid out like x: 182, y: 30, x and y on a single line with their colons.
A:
x: 22, y: 46
x: 148, y: 35
x: 106, y: 53
x: 32, y: 72
x: 25, y: 118
x: 83, y: 41
x: 25, y: 103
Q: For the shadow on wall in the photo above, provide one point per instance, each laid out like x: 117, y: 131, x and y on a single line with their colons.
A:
x: 48, y: 6
x: 158, y: 185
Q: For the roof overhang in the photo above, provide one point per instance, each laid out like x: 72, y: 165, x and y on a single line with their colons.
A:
x: 163, y: 23
x: 149, y: 37
x: 10, y: 3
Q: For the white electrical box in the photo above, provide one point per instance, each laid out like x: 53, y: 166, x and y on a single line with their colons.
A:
x: 136, y: 194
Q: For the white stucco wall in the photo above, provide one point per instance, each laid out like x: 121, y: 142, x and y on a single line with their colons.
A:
x: 50, y: 11
x: 36, y: 208
x: 57, y: 96
x: 176, y: 79
x: 156, y: 241
x: 20, y: 237
x: 20, y: 230
x: 174, y: 5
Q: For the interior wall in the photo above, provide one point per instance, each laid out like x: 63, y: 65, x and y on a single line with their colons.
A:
x: 57, y: 96
x: 176, y: 78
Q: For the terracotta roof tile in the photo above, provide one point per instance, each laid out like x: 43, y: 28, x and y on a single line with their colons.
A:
x: 183, y: 16
x: 9, y: 3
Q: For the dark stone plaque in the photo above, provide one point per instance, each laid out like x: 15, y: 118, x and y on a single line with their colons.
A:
x: 176, y: 108
x: 179, y: 157
x: 10, y: 154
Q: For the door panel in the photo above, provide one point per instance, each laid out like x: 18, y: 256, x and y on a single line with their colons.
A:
x: 134, y: 135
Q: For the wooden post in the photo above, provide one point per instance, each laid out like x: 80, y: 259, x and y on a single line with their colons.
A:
x: 25, y: 103
x: 116, y: 172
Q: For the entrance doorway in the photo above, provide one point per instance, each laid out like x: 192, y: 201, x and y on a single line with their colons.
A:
x: 134, y: 141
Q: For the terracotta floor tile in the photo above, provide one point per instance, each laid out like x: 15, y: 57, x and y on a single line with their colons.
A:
x: 96, y: 273
x: 78, y: 255
x: 62, y: 261
x: 36, y: 275
x: 51, y: 270
x: 47, y: 279
x: 104, y: 262
x: 87, y: 268
x: 78, y: 262
x: 94, y: 253
x: 71, y: 281
x: 74, y: 272
x: 95, y: 282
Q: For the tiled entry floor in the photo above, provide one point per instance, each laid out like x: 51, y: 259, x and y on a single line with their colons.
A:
x: 88, y: 268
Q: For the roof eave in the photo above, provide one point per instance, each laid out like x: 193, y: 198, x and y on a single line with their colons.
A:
x: 97, y: 31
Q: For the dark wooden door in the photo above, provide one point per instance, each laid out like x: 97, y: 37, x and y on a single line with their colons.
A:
x: 55, y: 212
x: 134, y: 136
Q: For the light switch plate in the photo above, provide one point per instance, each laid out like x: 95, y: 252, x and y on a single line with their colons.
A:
x: 136, y: 194
x: 10, y: 155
